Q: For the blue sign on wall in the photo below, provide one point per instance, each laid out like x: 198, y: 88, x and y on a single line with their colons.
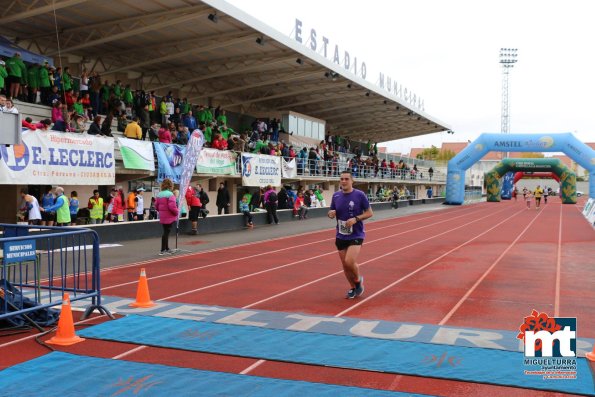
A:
x: 19, y: 251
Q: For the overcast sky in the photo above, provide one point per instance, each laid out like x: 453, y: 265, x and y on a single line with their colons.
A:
x: 447, y: 52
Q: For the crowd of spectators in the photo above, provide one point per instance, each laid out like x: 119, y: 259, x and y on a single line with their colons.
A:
x: 142, y: 115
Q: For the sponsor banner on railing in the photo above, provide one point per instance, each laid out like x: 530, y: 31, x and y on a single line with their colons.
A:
x: 261, y: 170
x: 213, y: 161
x: 52, y: 158
x: 169, y: 161
x: 288, y: 169
x: 137, y: 155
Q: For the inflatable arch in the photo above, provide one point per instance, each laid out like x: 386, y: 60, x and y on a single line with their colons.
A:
x: 534, y: 175
x: 566, y: 143
x: 566, y: 176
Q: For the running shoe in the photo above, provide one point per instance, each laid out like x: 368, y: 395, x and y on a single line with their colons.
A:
x: 360, y: 290
x: 164, y: 252
x: 350, y: 294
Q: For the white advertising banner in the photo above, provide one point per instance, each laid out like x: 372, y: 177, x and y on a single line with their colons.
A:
x: 137, y: 155
x: 261, y: 170
x: 588, y: 206
x: 288, y: 170
x: 213, y: 161
x: 52, y: 158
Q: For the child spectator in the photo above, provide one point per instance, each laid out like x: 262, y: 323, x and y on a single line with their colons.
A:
x: 245, y: 209
x: 57, y: 117
x: 74, y: 207
x: 140, y: 204
x: 153, y: 214
x: 300, y: 208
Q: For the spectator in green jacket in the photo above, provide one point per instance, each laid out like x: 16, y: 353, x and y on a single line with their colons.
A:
x: 67, y: 79
x: 61, y: 207
x: 33, y: 82
x: 45, y: 85
x: 222, y: 118
x: 3, y: 75
x: 128, y: 98
x: 17, y: 74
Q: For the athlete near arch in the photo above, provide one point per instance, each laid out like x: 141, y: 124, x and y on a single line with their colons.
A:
x: 350, y: 207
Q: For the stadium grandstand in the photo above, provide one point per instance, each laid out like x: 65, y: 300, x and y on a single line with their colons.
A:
x: 107, y: 63
x: 191, y: 126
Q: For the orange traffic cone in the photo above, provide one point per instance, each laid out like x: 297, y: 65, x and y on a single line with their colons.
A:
x: 65, y: 335
x: 591, y: 356
x: 142, y: 293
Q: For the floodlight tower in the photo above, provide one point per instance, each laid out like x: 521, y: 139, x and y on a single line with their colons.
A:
x: 508, y: 57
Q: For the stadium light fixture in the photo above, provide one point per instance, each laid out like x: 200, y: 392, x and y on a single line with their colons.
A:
x: 299, y: 61
x: 260, y: 40
x: 331, y: 75
x: 213, y: 18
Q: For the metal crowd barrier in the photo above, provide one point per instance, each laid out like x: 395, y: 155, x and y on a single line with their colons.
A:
x: 43, y: 262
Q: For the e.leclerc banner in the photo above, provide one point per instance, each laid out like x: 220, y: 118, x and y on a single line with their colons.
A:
x: 261, y: 170
x: 52, y: 158
x: 219, y: 162
x: 193, y: 150
x: 137, y: 155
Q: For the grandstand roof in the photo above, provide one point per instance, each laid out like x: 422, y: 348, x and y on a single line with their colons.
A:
x: 208, y: 52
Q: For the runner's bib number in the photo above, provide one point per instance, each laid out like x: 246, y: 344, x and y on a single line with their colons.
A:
x: 344, y: 229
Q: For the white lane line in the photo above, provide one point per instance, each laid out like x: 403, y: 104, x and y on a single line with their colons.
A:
x: 263, y: 253
x: 369, y: 260
x: 292, y: 236
x: 558, y: 269
x: 260, y: 362
x: 250, y: 368
x: 285, y: 265
x: 129, y: 352
x: 483, y: 276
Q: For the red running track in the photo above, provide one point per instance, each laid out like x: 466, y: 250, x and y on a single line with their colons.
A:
x: 482, y: 266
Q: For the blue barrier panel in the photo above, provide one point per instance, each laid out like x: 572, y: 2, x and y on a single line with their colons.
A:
x: 40, y: 263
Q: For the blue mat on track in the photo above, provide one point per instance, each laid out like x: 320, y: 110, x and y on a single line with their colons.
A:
x: 410, y: 358
x: 61, y: 374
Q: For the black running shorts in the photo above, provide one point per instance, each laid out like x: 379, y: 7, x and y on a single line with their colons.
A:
x: 344, y: 244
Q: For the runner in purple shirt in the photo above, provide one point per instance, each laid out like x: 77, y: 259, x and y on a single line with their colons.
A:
x: 350, y: 207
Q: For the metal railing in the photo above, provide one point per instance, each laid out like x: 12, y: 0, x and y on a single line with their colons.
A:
x: 44, y: 262
x: 332, y: 169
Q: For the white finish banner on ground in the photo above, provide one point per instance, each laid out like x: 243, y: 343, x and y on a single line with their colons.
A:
x: 288, y: 170
x: 213, y: 161
x: 58, y: 158
x: 261, y: 170
x: 137, y: 155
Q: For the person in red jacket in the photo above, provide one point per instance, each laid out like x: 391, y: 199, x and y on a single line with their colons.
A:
x: 219, y: 143
x: 195, y: 205
x: 117, y: 212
